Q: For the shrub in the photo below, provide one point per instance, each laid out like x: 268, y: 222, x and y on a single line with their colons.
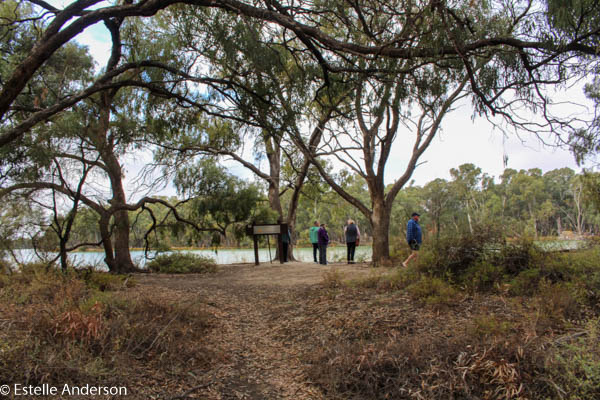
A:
x: 483, y: 276
x: 182, y: 263
x: 450, y: 256
x: 103, y: 280
x: 433, y: 291
x: 516, y: 256
x: 332, y: 279
x: 555, y: 304
x: 526, y: 283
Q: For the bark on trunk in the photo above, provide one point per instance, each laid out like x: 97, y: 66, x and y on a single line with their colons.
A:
x: 123, y: 262
x: 380, y: 223
x: 107, y: 242
x: 122, y: 255
x: 63, y: 256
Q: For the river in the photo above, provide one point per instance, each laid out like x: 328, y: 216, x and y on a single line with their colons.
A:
x: 221, y: 256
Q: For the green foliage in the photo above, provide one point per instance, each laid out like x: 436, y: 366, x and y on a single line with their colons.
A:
x: 433, y: 292
x: 451, y: 255
x: 483, y: 276
x: 574, y: 367
x: 40, y: 282
x: 182, y: 263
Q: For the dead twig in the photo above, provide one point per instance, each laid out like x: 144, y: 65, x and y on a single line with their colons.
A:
x: 192, y: 390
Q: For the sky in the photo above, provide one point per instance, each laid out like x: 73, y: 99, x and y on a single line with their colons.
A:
x: 462, y: 140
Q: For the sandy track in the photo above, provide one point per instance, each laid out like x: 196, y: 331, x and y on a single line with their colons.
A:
x: 250, y: 303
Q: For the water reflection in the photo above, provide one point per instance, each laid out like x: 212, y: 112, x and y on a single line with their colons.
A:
x: 221, y: 256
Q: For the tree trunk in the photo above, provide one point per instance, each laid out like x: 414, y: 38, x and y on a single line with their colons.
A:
x: 123, y: 260
x: 63, y: 256
x: 107, y: 243
x: 380, y: 223
x: 469, y: 219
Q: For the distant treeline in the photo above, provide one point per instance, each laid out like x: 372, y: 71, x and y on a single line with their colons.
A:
x: 525, y: 202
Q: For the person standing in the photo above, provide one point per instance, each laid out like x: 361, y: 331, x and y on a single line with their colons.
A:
x: 286, y: 238
x: 323, y: 242
x: 313, y: 234
x: 413, y: 237
x: 352, y: 237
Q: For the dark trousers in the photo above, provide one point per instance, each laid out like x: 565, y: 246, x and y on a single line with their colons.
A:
x: 315, y: 250
x: 284, y: 248
x: 351, y: 248
x: 323, y: 254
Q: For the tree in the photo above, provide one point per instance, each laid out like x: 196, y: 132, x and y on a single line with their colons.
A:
x: 438, y: 196
x: 469, y: 182
x: 527, y: 49
x: 266, y: 92
x: 381, y: 108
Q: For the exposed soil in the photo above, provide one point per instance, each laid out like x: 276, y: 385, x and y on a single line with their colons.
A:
x: 253, y: 306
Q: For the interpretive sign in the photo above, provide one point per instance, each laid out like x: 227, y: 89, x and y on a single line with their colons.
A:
x: 267, y: 229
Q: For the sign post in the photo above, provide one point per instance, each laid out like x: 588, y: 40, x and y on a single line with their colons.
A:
x: 267, y: 229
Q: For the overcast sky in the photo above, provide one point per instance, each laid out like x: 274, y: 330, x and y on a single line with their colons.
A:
x: 462, y: 140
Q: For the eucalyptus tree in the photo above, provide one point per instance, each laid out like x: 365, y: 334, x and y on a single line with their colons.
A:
x: 439, y: 198
x: 537, y: 42
x: 405, y: 99
x: 270, y: 89
x: 469, y: 185
x: 396, y: 95
x: 557, y: 185
x: 97, y: 132
x: 571, y: 18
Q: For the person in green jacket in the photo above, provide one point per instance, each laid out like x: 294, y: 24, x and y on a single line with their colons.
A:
x: 314, y: 239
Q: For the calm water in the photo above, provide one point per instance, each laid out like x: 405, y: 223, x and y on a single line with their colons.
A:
x: 234, y: 256
x: 229, y: 256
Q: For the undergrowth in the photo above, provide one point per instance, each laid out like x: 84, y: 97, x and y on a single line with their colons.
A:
x: 182, y: 263
x: 83, y: 327
x: 542, y: 344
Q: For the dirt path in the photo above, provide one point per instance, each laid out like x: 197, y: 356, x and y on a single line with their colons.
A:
x: 250, y: 304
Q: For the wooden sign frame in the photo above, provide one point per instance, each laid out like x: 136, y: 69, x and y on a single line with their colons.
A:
x: 256, y: 230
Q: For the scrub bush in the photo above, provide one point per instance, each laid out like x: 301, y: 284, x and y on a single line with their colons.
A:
x: 182, y: 263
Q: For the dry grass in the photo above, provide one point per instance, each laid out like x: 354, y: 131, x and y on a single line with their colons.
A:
x: 63, y: 330
x: 299, y: 332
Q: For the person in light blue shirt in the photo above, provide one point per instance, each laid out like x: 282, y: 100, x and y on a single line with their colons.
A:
x: 313, y: 234
x: 414, y: 237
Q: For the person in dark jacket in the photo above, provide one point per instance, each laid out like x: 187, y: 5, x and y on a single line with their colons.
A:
x: 286, y: 239
x: 323, y: 242
x: 352, y: 237
x: 413, y: 237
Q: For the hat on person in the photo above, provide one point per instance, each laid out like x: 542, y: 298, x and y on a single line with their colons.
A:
x: 415, y: 215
